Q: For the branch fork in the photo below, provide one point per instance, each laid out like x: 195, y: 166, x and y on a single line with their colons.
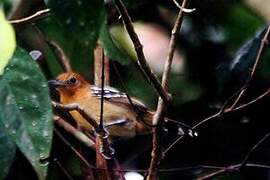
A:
x: 102, y: 135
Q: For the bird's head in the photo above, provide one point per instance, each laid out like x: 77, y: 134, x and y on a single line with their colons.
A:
x: 68, y: 82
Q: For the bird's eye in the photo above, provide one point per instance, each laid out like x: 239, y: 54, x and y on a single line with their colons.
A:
x: 72, y: 80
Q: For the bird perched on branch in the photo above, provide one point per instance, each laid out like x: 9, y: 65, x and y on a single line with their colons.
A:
x: 123, y: 116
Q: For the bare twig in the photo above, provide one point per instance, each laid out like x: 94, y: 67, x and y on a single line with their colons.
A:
x: 99, y: 55
x: 102, y: 133
x: 80, y: 156
x: 266, y: 93
x: 186, y: 10
x: 158, y: 117
x: 139, y: 50
x: 76, y: 107
x: 212, y: 174
x: 102, y: 91
x: 223, y: 110
x: 60, y: 56
x: 63, y: 169
x: 105, y: 153
x: 77, y: 134
x: 100, y: 76
x: 231, y: 168
x: 38, y: 15
x: 264, y: 42
x: 244, y: 162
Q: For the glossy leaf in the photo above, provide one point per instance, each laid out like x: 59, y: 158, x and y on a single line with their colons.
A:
x: 7, y: 39
x: 233, y: 74
x: 7, y: 146
x: 111, y: 49
x: 245, y: 57
x: 26, y: 111
x: 75, y: 25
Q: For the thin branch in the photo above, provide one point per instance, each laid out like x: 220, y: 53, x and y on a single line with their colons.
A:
x: 79, y: 155
x: 186, y: 10
x: 230, y: 168
x: 102, y: 91
x: 212, y: 174
x: 38, y: 15
x: 264, y: 42
x: 103, y: 135
x: 80, y: 110
x: 244, y: 162
x: 139, y: 50
x: 63, y: 169
x: 158, y: 117
x: 60, y: 56
x: 73, y: 131
x: 222, y: 111
x: 253, y: 101
x: 105, y: 152
x: 99, y: 55
x: 258, y: 165
x: 219, y: 169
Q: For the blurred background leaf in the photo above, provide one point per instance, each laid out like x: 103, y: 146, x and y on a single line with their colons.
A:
x: 7, y: 39
x: 233, y: 74
x: 110, y: 47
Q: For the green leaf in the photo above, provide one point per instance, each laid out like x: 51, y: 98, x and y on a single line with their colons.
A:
x: 110, y: 48
x: 122, y: 40
x: 25, y: 109
x: 233, y: 74
x: 7, y: 39
x: 76, y: 26
x: 7, y: 146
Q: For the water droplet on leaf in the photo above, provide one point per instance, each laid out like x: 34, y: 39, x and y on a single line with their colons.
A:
x: 44, y: 85
x: 24, y: 78
x: 82, y: 23
x: 79, y: 3
x: 45, y: 133
x: 34, y: 123
x: 33, y: 96
x: 86, y: 43
x: 68, y: 21
x: 35, y: 54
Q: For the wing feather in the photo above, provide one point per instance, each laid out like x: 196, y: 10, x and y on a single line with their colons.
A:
x: 117, y: 97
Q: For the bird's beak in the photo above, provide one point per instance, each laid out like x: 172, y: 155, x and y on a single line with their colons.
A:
x: 56, y: 83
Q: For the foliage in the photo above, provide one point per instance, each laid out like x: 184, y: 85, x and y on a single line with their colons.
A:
x: 7, y: 39
x: 26, y: 114
x: 212, y: 74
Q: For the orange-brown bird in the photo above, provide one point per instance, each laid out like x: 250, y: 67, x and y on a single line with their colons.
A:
x: 121, y: 118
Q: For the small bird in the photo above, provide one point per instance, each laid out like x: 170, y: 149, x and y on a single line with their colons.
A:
x: 122, y: 118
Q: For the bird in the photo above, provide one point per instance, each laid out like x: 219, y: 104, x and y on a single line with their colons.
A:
x: 123, y: 116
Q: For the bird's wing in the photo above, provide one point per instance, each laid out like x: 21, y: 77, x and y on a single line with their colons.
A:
x: 114, y: 96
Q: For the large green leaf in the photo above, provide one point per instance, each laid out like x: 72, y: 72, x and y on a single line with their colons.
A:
x: 25, y: 109
x: 111, y: 49
x: 76, y: 26
x: 7, y: 146
x: 233, y: 74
